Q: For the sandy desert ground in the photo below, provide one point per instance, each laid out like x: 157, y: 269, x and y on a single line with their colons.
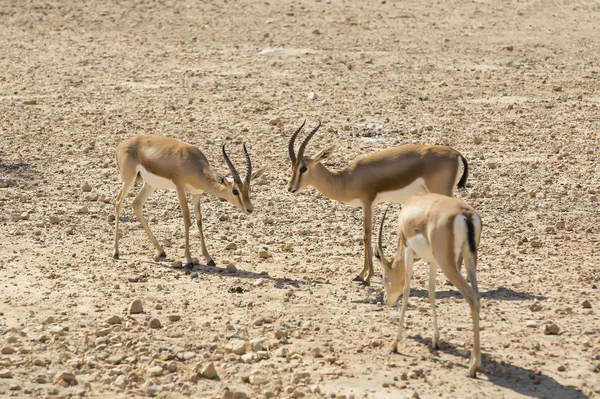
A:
x: 514, y: 86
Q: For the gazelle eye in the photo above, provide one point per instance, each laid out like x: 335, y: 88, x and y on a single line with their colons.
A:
x: 303, y: 169
x: 235, y: 192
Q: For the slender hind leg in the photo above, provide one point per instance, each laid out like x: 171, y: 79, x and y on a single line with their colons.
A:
x: 128, y: 182
x: 186, y: 223
x: 408, y: 262
x: 138, y: 206
x: 472, y: 298
x: 198, y: 214
x: 436, y: 332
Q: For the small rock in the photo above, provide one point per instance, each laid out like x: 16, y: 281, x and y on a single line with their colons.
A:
x: 231, y: 268
x: 312, y: 95
x: 55, y: 219
x: 209, y: 371
x: 264, y: 254
x: 194, y: 275
x: 531, y: 323
x: 115, y: 359
x: 260, y: 282
x: 315, y: 352
x: 177, y: 264
x: 154, y: 323
x: 86, y: 188
x: 415, y: 395
x: 136, y: 307
x: 5, y: 373
x: 257, y: 344
x: 586, y: 304
x: 404, y: 376
x: 492, y: 165
x: 551, y: 329
x: 268, y: 221
x: 83, y: 209
x: 477, y: 140
x: 7, y: 350
x: 69, y: 231
x: 120, y: 382
x: 248, y: 358
x: 114, y: 320
x: 536, y: 244
x: 282, y: 352
x: 535, y: 307
x: 234, y: 395
x: 172, y: 367
x: 65, y: 378
x: 155, y: 370
x: 232, y: 246
x: 236, y: 346
x: 561, y: 368
x: 560, y: 225
x: 174, y: 317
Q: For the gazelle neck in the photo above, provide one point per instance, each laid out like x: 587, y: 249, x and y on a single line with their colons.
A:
x: 330, y: 184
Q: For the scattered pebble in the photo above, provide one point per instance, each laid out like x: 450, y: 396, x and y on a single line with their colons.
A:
x: 155, y: 370
x: 231, y: 268
x: 209, y: 371
x: 136, y: 307
x: 551, y: 329
x: 86, y: 188
x: 262, y: 254
x: 232, y: 246
x: 154, y: 323
x: 65, y: 378
x: 586, y: 304
x: 114, y: 320
x: 174, y: 317
x: 5, y: 373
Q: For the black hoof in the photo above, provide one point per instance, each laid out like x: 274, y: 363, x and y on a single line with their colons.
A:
x: 358, y: 278
x: 162, y: 255
x: 365, y: 283
x: 211, y: 263
x: 116, y: 256
x: 189, y: 265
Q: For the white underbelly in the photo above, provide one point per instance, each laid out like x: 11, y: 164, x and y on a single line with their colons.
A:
x: 155, y: 180
x: 420, y: 246
x: 402, y: 194
x: 398, y: 196
x: 159, y: 182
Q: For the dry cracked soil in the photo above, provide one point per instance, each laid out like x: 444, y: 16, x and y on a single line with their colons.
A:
x: 514, y: 86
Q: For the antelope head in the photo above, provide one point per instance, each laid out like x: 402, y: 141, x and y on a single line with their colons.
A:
x: 238, y: 190
x: 394, y: 273
x: 304, y: 169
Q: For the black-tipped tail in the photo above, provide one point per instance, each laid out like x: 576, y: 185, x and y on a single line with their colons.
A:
x: 463, y: 180
x: 471, y: 235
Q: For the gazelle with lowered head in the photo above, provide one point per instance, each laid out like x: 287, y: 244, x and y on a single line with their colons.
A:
x: 391, y: 175
x: 167, y: 163
x: 443, y: 231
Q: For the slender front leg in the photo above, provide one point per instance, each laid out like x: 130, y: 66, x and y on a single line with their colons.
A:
x: 186, y: 222
x: 436, y: 332
x: 367, y: 241
x: 472, y: 297
x: 125, y: 188
x: 138, y: 206
x: 198, y: 214
x: 408, y: 262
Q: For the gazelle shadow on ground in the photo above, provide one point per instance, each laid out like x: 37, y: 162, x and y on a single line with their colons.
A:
x: 521, y: 380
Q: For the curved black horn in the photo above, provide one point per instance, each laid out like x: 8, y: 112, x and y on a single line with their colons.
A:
x: 305, y: 142
x: 236, y: 176
x: 248, y: 164
x: 379, y: 251
x: 292, y: 140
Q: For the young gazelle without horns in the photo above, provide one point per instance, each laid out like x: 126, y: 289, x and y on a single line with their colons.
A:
x: 392, y: 175
x: 167, y: 163
x: 443, y: 231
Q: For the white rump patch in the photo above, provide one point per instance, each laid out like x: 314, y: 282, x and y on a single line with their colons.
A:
x: 421, y: 247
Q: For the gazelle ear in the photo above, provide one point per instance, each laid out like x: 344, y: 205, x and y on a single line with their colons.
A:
x: 221, y: 178
x: 324, y: 153
x: 258, y: 173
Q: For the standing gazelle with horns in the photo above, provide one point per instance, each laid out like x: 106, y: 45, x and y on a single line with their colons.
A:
x: 167, y: 163
x: 443, y: 231
x: 391, y: 175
